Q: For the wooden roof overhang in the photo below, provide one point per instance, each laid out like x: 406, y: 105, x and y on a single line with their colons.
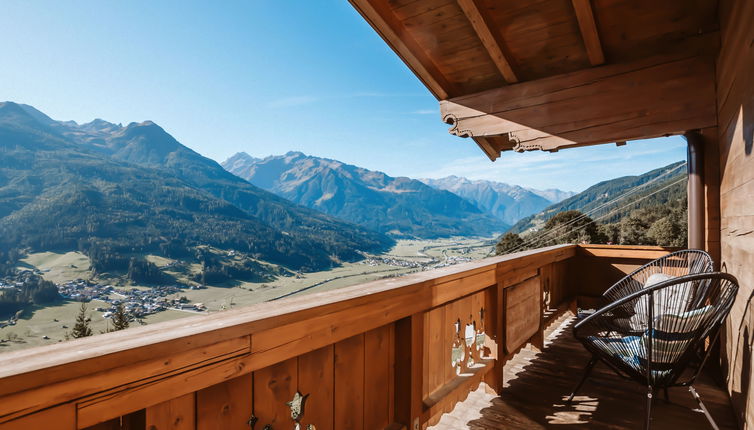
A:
x: 550, y: 74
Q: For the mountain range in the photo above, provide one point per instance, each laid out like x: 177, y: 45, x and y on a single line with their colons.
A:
x: 135, y: 188
x: 508, y: 203
x: 609, y: 201
x: 105, y: 188
x: 398, y: 206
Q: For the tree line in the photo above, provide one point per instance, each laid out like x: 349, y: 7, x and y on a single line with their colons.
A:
x: 662, y: 225
x: 33, y: 289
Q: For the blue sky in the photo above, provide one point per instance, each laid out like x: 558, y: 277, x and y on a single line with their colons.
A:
x: 266, y: 78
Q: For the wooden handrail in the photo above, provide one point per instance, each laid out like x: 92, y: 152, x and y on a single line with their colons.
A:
x: 626, y: 251
x: 97, y: 378
x: 173, y: 336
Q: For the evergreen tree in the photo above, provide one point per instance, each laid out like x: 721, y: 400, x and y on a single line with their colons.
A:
x: 670, y: 230
x: 142, y: 271
x: 611, y: 233
x: 81, y: 328
x: 570, y: 227
x: 120, y: 318
x: 508, y: 243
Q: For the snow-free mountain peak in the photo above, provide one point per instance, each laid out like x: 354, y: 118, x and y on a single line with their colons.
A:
x: 137, y: 188
x: 508, y: 203
x: 400, y: 206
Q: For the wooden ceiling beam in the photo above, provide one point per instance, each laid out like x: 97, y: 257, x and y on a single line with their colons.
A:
x: 379, y: 15
x: 647, y: 98
x: 489, y: 149
x: 588, y: 27
x: 482, y: 29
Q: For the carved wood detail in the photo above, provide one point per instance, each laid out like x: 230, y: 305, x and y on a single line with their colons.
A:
x: 648, y: 98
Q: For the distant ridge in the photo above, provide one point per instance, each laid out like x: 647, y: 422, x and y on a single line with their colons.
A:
x: 398, y: 206
x: 628, y: 193
x: 508, y: 203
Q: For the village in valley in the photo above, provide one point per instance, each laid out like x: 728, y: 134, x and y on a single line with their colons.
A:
x: 146, y: 304
x: 137, y: 302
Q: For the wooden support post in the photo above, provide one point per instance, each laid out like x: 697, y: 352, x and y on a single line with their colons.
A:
x: 500, y: 325
x: 695, y: 189
x: 712, y: 193
x: 409, y: 344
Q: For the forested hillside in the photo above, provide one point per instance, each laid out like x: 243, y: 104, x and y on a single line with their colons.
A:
x: 609, y: 201
x: 114, y: 191
x: 649, y: 209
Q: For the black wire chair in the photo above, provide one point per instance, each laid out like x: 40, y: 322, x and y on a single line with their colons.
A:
x: 674, y: 264
x: 656, y: 335
x: 679, y: 263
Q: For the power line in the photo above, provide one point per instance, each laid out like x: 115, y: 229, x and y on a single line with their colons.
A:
x: 538, y: 240
x: 629, y: 204
x: 633, y: 190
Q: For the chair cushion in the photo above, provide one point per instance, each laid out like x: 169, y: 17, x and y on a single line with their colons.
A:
x: 656, y: 278
x: 672, y: 335
x: 626, y: 350
x: 672, y: 299
x: 622, y: 348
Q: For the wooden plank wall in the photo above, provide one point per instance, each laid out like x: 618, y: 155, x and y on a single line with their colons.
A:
x: 523, y: 312
x: 735, y: 105
x: 448, y: 378
x: 348, y: 386
x: 555, y: 287
x: 359, y: 382
x: 595, y: 268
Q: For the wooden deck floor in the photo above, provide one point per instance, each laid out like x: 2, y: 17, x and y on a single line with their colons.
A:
x: 536, y: 385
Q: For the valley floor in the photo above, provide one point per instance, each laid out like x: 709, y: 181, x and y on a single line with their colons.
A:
x: 46, y: 325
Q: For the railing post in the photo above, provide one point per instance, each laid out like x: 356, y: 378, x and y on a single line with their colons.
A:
x: 409, y: 370
x: 538, y: 340
x: 497, y: 297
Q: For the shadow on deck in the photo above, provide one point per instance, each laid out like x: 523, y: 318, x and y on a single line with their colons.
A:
x: 537, y: 384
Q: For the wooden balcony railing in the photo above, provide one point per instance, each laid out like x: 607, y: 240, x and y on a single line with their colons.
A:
x: 388, y: 354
